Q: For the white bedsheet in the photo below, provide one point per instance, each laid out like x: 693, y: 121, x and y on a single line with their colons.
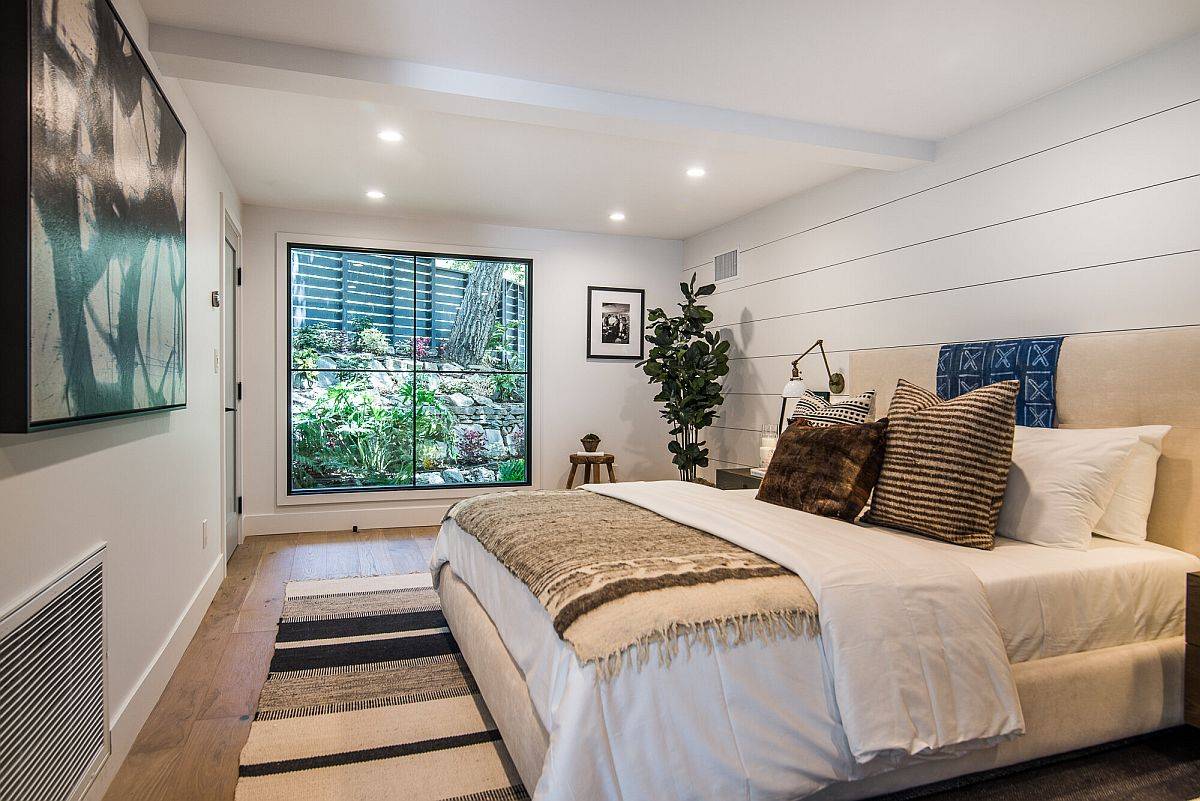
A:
x: 1052, y: 601
x: 762, y: 721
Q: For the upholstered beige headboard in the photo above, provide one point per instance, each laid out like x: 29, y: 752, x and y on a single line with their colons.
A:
x: 1104, y: 380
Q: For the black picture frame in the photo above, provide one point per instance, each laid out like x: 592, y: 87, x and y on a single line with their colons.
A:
x: 637, y: 332
x: 18, y: 307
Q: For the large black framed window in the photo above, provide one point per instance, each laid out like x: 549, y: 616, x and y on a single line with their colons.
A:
x: 407, y: 370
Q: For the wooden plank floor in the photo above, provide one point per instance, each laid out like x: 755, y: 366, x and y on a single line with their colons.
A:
x: 188, y: 749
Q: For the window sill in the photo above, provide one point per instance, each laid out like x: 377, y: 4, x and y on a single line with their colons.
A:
x: 391, y: 495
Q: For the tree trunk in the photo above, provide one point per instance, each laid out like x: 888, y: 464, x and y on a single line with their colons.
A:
x: 477, y: 314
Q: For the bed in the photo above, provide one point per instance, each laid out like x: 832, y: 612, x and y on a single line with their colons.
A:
x: 1093, y: 638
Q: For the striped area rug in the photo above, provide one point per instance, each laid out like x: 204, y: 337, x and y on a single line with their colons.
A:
x: 368, y: 698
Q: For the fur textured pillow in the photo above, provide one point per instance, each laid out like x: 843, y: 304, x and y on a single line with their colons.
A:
x: 946, y: 463
x: 825, y: 471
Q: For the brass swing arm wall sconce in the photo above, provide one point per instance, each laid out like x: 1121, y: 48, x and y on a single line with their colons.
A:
x: 795, y: 387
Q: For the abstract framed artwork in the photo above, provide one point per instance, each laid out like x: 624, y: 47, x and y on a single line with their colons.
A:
x: 616, y: 323
x: 93, y: 313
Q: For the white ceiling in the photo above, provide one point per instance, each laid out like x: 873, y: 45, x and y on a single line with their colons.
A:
x: 920, y: 69
x: 311, y: 152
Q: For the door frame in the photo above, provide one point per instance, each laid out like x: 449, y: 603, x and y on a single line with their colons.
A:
x: 231, y: 232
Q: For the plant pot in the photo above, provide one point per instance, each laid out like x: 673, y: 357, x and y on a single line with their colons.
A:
x: 590, y: 443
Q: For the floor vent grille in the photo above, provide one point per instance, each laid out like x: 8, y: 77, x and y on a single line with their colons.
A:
x: 53, y: 722
x: 726, y: 266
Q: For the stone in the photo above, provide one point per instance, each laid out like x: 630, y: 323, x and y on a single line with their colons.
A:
x: 326, y: 378
x: 493, y: 436
x: 460, y: 400
x: 483, y: 400
x: 453, y: 477
x: 381, y: 382
x: 481, y: 475
x: 394, y: 363
x: 426, y: 479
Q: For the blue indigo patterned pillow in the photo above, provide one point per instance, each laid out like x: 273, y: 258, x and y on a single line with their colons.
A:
x: 1033, y: 362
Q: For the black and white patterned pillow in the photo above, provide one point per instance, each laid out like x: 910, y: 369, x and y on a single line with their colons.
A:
x: 821, y: 413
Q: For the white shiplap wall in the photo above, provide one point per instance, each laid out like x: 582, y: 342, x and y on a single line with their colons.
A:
x: 1078, y: 212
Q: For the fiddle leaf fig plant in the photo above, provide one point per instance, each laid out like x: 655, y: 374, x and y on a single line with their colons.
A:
x: 686, y: 361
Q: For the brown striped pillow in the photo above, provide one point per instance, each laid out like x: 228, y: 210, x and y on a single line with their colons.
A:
x: 945, y: 463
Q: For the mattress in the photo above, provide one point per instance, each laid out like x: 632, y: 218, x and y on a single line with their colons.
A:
x: 1054, y: 601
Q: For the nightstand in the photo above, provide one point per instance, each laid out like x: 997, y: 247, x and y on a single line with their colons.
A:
x: 1191, y: 659
x: 737, y: 479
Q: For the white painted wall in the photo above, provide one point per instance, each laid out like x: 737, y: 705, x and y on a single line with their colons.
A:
x: 1075, y: 213
x: 142, y: 484
x: 572, y: 395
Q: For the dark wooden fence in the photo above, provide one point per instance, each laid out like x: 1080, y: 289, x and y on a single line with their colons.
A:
x: 402, y: 296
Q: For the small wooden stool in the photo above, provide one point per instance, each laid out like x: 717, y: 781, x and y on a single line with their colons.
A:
x: 591, y: 461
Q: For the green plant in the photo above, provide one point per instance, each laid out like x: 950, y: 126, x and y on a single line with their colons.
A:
x: 320, y: 338
x: 450, y: 385
x: 351, y: 367
x: 434, y: 420
x: 512, y: 470
x: 686, y: 361
x: 506, y: 387
x: 372, y: 340
x: 305, y: 360
x: 351, y: 437
x: 499, y: 354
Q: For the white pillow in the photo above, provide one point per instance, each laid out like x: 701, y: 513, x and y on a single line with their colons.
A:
x: 1060, y: 483
x: 1127, y: 512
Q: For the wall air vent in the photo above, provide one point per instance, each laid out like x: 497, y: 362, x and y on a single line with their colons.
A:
x: 53, y: 721
x: 726, y: 266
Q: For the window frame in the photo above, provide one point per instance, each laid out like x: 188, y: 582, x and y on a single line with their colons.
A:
x: 286, y: 244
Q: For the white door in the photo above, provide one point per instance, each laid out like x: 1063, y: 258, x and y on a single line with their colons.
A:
x: 231, y: 388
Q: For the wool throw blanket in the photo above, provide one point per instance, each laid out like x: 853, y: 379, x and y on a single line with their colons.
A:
x: 616, y: 578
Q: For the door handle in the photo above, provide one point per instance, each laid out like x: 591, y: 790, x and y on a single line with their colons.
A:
x: 230, y: 409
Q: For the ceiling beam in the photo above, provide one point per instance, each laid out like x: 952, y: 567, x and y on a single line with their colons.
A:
x: 219, y: 58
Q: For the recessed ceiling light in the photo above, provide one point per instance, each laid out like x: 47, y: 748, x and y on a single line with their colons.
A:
x: 695, y: 172
x: 617, y: 216
x: 388, y: 135
x: 375, y: 194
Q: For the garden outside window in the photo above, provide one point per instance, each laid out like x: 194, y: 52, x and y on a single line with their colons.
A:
x: 406, y: 370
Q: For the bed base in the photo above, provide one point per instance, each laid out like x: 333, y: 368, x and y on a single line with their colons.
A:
x: 1070, y: 702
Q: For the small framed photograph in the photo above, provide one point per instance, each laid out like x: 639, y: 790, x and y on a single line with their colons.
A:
x: 616, y: 323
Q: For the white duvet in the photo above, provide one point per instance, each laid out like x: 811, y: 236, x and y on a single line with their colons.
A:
x: 909, y: 664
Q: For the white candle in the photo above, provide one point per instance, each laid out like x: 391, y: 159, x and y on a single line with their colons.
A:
x: 764, y: 455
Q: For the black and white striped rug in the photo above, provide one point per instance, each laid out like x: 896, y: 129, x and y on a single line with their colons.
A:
x: 369, y: 698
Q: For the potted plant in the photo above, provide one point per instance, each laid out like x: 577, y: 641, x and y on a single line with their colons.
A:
x: 686, y: 360
x: 590, y: 442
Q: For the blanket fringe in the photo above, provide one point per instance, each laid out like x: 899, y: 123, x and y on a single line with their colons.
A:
x: 766, y: 626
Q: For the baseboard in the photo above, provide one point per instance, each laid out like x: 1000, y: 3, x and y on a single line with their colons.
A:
x: 129, y: 716
x: 425, y: 514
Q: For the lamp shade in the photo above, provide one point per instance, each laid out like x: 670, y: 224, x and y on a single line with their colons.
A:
x: 793, y: 389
